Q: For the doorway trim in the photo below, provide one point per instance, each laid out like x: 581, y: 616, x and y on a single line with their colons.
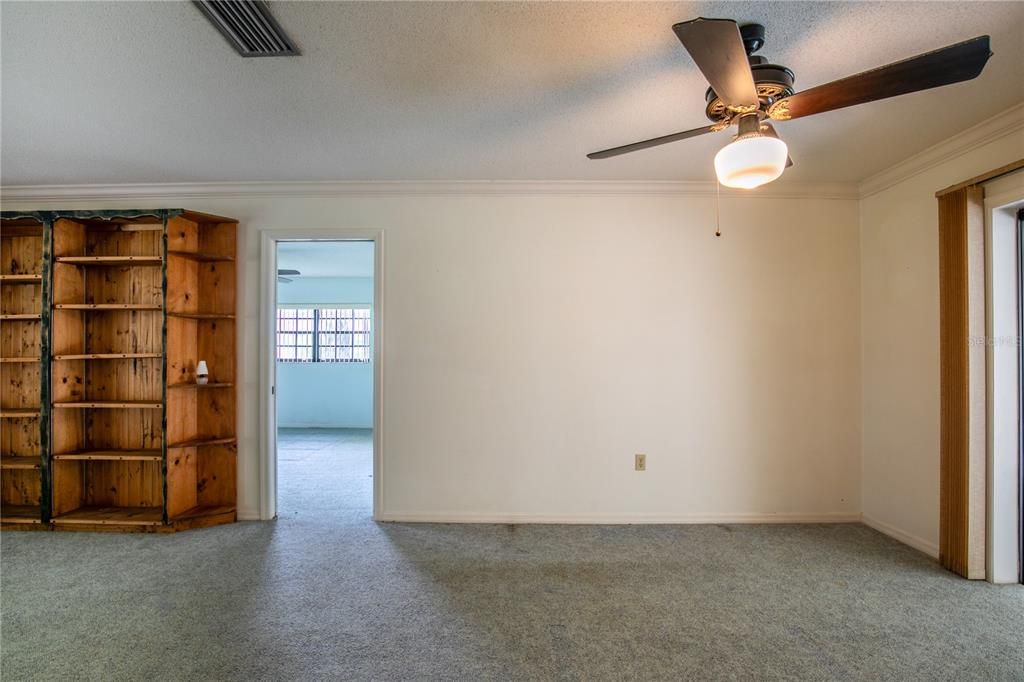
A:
x: 1003, y: 375
x: 268, y: 362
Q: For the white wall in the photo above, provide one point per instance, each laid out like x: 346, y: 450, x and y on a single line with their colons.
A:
x: 331, y: 395
x: 533, y: 343
x: 310, y: 290
x: 325, y: 394
x: 900, y: 318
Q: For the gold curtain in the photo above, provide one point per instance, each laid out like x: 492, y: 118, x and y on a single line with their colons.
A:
x: 961, y: 532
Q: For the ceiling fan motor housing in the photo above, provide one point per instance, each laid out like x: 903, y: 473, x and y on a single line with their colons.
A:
x: 773, y: 81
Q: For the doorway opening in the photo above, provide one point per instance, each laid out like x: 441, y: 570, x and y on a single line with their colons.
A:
x: 323, y: 388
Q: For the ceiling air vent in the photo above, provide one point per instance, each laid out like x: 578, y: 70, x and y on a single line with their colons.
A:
x: 248, y: 26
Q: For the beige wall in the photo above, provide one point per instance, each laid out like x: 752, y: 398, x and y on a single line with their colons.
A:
x: 900, y: 329
x: 532, y: 344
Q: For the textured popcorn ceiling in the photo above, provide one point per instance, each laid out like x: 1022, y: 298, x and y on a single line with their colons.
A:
x: 150, y: 92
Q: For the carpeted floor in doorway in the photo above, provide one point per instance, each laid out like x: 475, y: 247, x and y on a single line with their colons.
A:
x: 326, y: 593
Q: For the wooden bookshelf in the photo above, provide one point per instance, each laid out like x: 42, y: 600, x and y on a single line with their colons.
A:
x: 24, y: 263
x: 110, y: 261
x: 107, y: 303
x: 125, y: 455
x: 104, y: 316
x: 201, y: 423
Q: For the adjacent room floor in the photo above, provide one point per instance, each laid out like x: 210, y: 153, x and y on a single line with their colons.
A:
x: 324, y: 592
x: 324, y: 471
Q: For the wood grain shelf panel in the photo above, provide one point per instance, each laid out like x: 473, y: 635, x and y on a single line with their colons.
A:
x: 112, y: 455
x: 20, y: 513
x: 6, y: 413
x: 104, y: 261
x: 13, y: 360
x: 209, y: 385
x: 28, y: 227
x: 127, y: 516
x: 202, y: 316
x: 201, y: 511
x: 27, y: 317
x: 108, y: 356
x: 199, y: 442
x: 107, y: 306
x: 201, y: 257
x: 107, y: 404
x: 21, y: 279
x: 11, y: 462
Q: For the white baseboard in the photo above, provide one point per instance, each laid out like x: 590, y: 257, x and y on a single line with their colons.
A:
x: 248, y: 514
x: 619, y: 519
x: 906, y: 538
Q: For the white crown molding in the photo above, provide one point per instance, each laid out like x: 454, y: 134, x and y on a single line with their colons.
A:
x: 619, y: 519
x: 929, y: 548
x: 212, y: 190
x: 1001, y: 125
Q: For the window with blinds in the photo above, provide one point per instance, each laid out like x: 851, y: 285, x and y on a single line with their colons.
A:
x: 324, y: 334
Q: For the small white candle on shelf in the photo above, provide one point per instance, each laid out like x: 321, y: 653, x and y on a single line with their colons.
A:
x: 202, y: 373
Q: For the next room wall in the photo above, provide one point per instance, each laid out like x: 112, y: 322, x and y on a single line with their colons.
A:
x: 325, y: 394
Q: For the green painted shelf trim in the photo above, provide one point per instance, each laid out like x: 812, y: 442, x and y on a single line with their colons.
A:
x: 127, y: 214
x: 46, y: 343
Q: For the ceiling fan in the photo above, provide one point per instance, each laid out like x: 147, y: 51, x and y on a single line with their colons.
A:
x: 750, y: 92
x: 290, y: 273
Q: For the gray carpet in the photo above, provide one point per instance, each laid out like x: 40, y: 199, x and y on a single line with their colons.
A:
x: 325, y: 593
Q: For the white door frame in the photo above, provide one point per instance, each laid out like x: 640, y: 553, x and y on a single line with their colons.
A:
x: 1003, y: 391
x: 268, y: 362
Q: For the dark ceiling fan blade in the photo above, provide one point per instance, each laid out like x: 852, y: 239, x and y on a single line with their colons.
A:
x: 288, y: 272
x: 717, y: 49
x: 769, y: 130
x: 945, y: 66
x: 653, y: 142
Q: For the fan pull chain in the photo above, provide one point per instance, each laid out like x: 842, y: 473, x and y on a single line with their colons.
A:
x: 718, y: 208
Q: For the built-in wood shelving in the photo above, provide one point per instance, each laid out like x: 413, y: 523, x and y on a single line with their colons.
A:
x: 118, y: 308
x: 21, y: 514
x: 107, y: 404
x: 10, y: 462
x: 202, y: 257
x: 108, y: 356
x: 114, y: 455
x: 13, y: 413
x: 201, y: 442
x: 107, y: 306
x: 202, y: 316
x: 118, y: 516
x: 24, y: 291
x: 107, y: 261
x: 203, y: 511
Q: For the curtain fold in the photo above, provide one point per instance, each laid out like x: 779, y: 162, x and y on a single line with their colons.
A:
x: 962, y: 381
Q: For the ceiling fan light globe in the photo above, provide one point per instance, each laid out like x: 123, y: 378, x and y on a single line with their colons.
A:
x: 750, y: 162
